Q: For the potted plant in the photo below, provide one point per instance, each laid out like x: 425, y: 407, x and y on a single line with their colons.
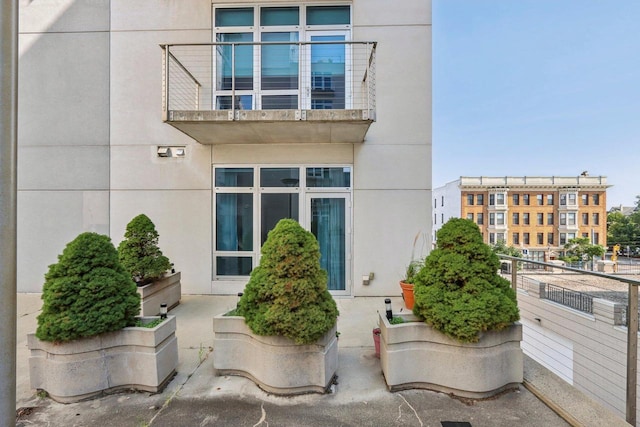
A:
x: 142, y: 258
x: 465, y: 315
x: 283, y: 333
x: 406, y: 283
x: 86, y: 341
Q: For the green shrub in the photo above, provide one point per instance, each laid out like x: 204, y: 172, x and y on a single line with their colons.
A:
x: 459, y: 291
x: 139, y: 252
x: 287, y: 293
x: 87, y: 292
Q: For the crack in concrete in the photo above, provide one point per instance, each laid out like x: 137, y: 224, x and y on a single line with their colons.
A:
x: 262, y: 418
x: 412, y: 408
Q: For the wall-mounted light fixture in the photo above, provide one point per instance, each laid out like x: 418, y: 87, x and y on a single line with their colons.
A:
x: 167, y: 151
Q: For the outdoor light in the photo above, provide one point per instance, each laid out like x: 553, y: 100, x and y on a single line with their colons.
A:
x: 164, y: 151
x: 387, y: 304
x: 163, y: 310
x: 239, y: 296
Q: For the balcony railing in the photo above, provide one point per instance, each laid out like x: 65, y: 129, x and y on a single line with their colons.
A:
x: 301, y: 76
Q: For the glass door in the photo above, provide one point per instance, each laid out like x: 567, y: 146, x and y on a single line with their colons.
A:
x: 328, y: 78
x: 328, y: 218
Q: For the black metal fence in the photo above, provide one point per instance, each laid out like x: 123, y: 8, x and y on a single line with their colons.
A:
x: 574, y: 299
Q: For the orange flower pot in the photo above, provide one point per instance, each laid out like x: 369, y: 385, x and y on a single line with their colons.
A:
x: 407, y: 294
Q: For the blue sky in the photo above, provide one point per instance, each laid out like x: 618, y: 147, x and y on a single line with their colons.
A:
x: 538, y: 88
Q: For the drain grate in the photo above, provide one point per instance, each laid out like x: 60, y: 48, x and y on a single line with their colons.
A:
x: 455, y: 424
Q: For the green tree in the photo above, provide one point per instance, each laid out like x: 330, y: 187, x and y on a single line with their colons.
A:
x: 581, y: 249
x: 623, y: 229
x: 87, y: 292
x: 501, y: 248
x: 139, y: 252
x: 459, y: 291
x: 287, y: 293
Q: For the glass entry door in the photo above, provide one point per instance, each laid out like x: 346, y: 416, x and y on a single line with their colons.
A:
x: 328, y: 218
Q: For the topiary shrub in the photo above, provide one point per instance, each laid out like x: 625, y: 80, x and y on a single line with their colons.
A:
x: 87, y: 292
x: 459, y: 291
x: 287, y: 293
x: 139, y: 252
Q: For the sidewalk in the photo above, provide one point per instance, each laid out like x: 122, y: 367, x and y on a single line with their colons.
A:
x: 196, y: 397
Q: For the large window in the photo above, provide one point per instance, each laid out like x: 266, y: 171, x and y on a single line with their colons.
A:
x: 249, y: 201
x: 273, y: 73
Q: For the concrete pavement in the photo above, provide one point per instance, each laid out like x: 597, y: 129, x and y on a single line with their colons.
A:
x: 197, y: 397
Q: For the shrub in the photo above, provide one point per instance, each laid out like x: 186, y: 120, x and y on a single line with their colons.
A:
x: 287, y: 293
x: 87, y: 292
x: 459, y: 291
x: 139, y: 252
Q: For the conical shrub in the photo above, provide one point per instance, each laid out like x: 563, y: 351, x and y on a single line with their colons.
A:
x: 287, y: 293
x: 87, y: 292
x: 458, y: 291
x: 139, y: 252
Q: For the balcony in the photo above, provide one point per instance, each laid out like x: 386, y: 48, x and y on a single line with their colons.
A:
x: 270, y: 92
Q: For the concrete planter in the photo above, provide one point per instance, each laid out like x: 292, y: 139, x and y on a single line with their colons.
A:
x: 414, y: 355
x: 132, y: 358
x: 276, y: 364
x: 166, y: 290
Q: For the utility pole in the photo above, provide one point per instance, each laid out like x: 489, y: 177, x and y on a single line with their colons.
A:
x: 8, y: 206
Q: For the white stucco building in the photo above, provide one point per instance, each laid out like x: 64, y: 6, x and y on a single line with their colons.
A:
x: 216, y: 119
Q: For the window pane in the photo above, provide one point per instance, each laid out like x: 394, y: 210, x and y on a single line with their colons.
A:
x: 234, y: 177
x: 327, y: 73
x: 234, y: 17
x: 279, y: 16
x: 242, y: 55
x: 233, y: 266
x: 276, y: 207
x: 280, y: 102
x: 243, y: 102
x: 329, y: 177
x: 279, y: 177
x: 280, y: 61
x: 234, y: 222
x: 328, y: 15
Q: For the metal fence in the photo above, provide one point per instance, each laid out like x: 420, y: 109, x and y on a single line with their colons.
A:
x: 574, y: 299
x: 339, y: 75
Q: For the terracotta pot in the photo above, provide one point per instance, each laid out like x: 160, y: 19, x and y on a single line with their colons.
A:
x: 376, y: 341
x: 407, y: 294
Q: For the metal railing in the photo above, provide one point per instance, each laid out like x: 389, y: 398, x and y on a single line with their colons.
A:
x: 632, y: 322
x: 574, y: 299
x: 335, y: 75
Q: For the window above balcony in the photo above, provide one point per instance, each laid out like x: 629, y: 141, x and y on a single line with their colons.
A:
x: 273, y: 74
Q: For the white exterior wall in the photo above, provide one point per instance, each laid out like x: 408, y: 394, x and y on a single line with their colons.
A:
x: 447, y: 205
x: 586, y: 350
x: 90, y: 123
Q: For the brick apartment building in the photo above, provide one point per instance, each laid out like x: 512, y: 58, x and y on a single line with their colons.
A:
x: 538, y: 215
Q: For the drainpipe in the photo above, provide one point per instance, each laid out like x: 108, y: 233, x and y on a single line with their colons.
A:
x: 8, y: 207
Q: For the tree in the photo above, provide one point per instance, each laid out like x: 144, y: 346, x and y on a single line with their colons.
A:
x: 501, y: 248
x: 458, y: 291
x: 580, y: 249
x: 139, y: 252
x: 287, y: 293
x: 87, y: 292
x: 623, y: 229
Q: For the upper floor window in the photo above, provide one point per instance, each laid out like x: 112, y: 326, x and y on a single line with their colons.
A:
x: 585, y: 219
x: 480, y: 218
x: 525, y: 199
x: 480, y: 199
x: 271, y: 75
x: 572, y: 199
x: 442, y: 201
x: 595, y: 218
x: 470, y: 216
x: 515, y: 218
x: 499, y: 218
x: 470, y: 199
x: 525, y: 218
x: 540, y: 199
x: 500, y: 199
x: 540, y: 218
x: 550, y: 219
x: 516, y: 199
x: 585, y: 199
x: 550, y: 199
x: 596, y: 199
